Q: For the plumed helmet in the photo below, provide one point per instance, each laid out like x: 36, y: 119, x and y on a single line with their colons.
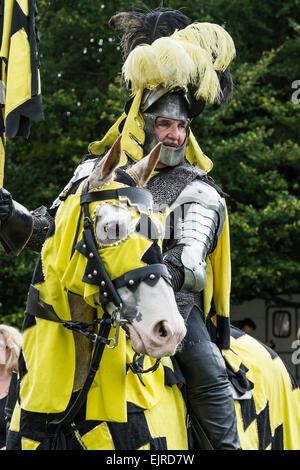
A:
x: 211, y: 50
x: 178, y: 65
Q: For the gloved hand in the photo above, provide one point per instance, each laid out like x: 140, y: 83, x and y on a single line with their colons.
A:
x: 6, y: 205
x: 16, y: 224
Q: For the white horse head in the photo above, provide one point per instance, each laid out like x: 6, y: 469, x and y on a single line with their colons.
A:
x: 155, y: 325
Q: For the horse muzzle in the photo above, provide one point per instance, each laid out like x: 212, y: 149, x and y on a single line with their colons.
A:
x: 161, y: 340
x: 157, y: 328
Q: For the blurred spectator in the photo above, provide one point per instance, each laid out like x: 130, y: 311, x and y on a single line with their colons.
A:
x: 10, y: 345
x: 271, y: 344
x: 247, y: 325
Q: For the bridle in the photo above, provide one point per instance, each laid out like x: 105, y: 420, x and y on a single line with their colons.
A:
x: 95, y: 273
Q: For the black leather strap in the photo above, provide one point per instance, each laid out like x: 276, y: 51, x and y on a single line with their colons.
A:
x: 150, y: 274
x: 87, y: 247
x: 137, y: 196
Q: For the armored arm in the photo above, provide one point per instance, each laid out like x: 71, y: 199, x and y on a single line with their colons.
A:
x: 198, y: 216
x: 20, y: 228
x: 16, y: 223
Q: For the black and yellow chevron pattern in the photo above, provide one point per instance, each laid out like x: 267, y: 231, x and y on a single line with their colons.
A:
x: 20, y: 91
x: 269, y: 420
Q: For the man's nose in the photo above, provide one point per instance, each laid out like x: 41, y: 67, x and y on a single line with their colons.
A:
x: 173, y: 132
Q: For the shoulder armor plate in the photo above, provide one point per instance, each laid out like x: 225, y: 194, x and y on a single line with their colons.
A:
x: 199, y: 191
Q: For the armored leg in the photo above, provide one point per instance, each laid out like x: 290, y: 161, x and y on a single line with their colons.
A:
x: 209, y: 398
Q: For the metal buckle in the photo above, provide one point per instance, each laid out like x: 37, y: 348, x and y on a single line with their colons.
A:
x: 94, y: 337
x: 117, y: 323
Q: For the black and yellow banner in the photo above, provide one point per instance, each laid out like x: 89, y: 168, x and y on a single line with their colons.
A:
x: 20, y: 91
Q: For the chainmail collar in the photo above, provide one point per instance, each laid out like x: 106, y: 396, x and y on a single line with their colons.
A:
x: 168, y: 183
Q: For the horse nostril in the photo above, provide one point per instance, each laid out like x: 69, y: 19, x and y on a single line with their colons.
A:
x: 162, y: 331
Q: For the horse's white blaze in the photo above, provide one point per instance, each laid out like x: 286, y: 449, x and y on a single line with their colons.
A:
x: 156, y: 327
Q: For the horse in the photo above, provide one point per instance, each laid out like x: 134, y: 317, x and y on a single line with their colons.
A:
x: 101, y: 273
x: 100, y: 292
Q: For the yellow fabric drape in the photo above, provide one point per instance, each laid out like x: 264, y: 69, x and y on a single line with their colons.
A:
x: 20, y: 93
x: 49, y: 348
x: 275, y: 401
x: 218, y: 285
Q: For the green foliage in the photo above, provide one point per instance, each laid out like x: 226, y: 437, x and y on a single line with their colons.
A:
x: 16, y: 273
x: 253, y: 141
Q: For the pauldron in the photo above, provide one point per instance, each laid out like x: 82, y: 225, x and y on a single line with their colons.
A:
x: 199, y: 216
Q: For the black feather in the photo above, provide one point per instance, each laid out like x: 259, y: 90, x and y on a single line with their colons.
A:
x: 226, y: 84
x: 143, y: 26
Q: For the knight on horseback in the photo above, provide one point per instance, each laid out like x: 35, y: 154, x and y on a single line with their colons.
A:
x: 196, y: 248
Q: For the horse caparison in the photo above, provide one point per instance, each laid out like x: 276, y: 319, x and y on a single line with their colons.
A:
x: 78, y: 286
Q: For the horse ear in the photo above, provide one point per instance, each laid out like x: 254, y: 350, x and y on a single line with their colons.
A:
x: 142, y: 170
x: 104, y: 171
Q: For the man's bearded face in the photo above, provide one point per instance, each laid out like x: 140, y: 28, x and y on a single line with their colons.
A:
x: 171, y: 132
